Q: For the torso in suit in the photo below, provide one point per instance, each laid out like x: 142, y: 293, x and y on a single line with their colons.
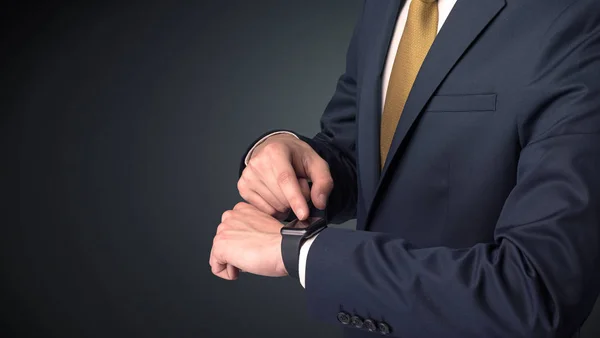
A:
x: 485, y: 220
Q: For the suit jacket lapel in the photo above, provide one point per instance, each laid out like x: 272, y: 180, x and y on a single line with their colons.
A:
x: 466, y: 21
x: 370, y: 103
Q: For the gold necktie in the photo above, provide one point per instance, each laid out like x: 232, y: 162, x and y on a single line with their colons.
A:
x: 419, y: 33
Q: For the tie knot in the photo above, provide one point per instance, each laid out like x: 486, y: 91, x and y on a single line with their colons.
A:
x: 428, y: 1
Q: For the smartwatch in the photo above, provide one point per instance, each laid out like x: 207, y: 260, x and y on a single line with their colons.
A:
x: 294, y: 234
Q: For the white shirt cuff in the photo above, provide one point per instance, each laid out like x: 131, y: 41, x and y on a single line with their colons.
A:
x: 302, y: 260
x: 249, y: 155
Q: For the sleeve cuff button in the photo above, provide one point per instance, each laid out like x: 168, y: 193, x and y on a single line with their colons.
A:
x: 370, y: 325
x: 384, y: 328
x: 357, y: 322
x: 343, y: 318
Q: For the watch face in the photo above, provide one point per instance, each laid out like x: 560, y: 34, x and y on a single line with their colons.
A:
x: 297, y: 224
x: 305, y: 228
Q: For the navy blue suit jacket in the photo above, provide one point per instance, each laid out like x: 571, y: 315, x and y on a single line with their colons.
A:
x: 485, y: 220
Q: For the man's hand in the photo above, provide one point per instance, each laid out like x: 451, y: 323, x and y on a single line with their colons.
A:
x: 248, y: 240
x: 276, y: 177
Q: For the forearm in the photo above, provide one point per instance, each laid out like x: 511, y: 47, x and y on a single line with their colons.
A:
x: 489, y: 290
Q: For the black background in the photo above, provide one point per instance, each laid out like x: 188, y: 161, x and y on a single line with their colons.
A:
x: 122, y: 130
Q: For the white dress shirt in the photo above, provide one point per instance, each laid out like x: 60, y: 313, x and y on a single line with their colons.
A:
x: 444, y: 9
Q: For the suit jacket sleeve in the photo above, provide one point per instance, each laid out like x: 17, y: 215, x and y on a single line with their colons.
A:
x: 540, y: 276
x: 336, y: 141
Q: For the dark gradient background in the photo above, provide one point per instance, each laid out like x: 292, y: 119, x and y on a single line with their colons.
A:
x: 122, y: 131
x: 128, y: 122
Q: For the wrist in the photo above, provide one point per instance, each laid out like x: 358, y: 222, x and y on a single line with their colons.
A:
x: 280, y: 265
x: 294, y: 234
x: 281, y: 137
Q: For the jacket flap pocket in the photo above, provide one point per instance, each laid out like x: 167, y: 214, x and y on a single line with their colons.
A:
x: 458, y: 103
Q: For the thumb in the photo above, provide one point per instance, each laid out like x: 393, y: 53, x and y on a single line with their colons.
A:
x: 304, y: 187
x: 318, y: 172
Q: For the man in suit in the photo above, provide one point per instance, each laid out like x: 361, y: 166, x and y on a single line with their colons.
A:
x: 464, y: 137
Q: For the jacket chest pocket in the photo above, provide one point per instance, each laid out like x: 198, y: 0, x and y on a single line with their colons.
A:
x: 462, y: 103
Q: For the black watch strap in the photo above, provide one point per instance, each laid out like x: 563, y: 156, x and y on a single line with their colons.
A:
x: 290, y: 252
